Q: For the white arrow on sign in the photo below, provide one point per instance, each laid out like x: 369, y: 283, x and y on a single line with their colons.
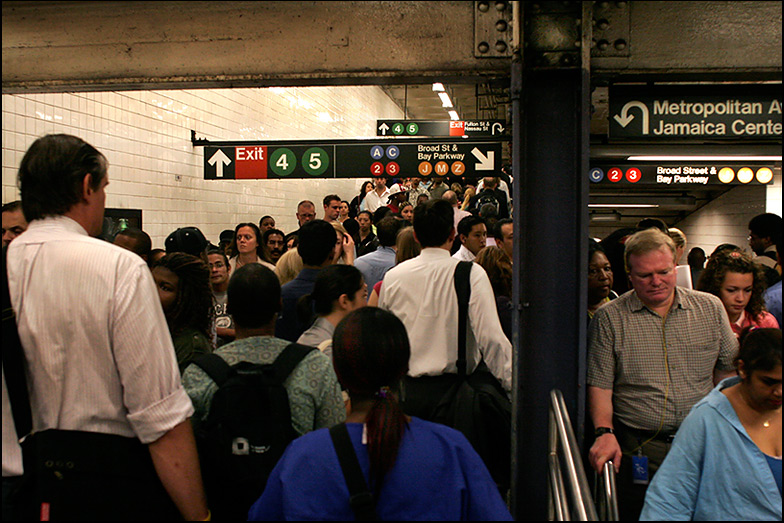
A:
x: 624, y: 118
x: 221, y: 159
x: 500, y: 128
x: 383, y: 128
x: 486, y: 163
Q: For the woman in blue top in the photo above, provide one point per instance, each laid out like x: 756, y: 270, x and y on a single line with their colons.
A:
x: 725, y: 463
x: 415, y: 469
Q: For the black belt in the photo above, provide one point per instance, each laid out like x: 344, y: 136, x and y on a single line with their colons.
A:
x: 645, y: 435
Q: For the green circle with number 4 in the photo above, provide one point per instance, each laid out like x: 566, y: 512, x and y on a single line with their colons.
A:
x: 315, y: 161
x: 398, y: 128
x: 283, y: 161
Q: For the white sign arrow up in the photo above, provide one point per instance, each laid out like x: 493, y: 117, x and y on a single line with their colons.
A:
x: 624, y: 118
x: 383, y: 128
x: 486, y: 163
x: 221, y: 159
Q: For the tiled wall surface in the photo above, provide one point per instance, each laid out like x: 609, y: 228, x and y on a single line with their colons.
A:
x: 146, y: 136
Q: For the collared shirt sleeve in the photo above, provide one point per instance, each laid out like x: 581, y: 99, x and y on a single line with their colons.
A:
x: 601, y: 354
x: 483, y: 315
x: 144, y: 355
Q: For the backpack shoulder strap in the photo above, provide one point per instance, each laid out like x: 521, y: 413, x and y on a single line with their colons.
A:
x: 215, y: 367
x: 362, y: 501
x: 288, y: 360
x: 463, y: 289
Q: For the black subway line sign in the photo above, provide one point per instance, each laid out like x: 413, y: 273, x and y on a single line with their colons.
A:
x: 727, y: 112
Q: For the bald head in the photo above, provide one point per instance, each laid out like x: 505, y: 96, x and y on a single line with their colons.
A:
x: 450, y: 196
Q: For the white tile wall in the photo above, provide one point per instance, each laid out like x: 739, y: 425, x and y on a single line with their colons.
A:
x: 146, y: 136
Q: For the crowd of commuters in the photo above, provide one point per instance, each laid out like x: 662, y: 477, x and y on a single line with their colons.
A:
x: 658, y: 343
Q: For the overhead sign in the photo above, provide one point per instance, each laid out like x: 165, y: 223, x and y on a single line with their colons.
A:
x: 353, y: 160
x: 682, y: 175
x: 696, y: 112
x: 440, y: 128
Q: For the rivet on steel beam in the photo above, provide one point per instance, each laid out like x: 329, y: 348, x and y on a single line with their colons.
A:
x: 500, y: 46
x: 603, y: 5
x: 483, y: 6
x: 621, y: 4
x: 603, y: 45
x: 602, y: 24
x: 620, y: 44
x: 501, y: 26
x: 483, y: 47
x: 566, y: 59
x: 500, y: 6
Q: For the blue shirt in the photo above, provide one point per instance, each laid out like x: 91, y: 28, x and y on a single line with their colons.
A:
x: 375, y: 265
x: 437, y: 476
x: 288, y: 326
x: 773, y: 301
x: 714, y: 470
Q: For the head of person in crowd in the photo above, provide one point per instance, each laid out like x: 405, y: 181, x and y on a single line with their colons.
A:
x: 397, y: 195
x: 600, y: 276
x: 370, y: 367
x: 365, y: 221
x: 490, y: 182
x: 224, y: 241
x: 344, y: 211
x: 489, y: 213
x: 763, y: 229
x: 343, y: 253
x: 696, y: 258
x: 366, y: 188
x: 331, y: 207
x: 649, y: 258
x: 14, y: 222
x: 62, y: 175
x: 183, y: 283
x: 351, y: 226
x: 306, y: 212
x: 387, y: 230
x: 155, y: 256
x: 317, y: 241
x: 135, y: 240
x: 406, y: 211
x: 288, y: 266
x: 722, y: 248
x: 189, y: 240
x: 422, y: 198
x: 503, y: 232
x: 406, y: 245
x: 266, y: 223
x: 339, y: 289
x: 253, y: 299
x: 680, y: 243
x: 738, y: 282
x: 274, y: 245
x: 220, y: 270
x: 381, y: 184
x: 457, y: 189
x: 656, y: 223
x: 381, y: 213
x: 434, y: 224
x: 498, y: 267
x: 759, y: 368
x: 451, y: 197
x: 473, y: 233
x: 247, y: 241
x: 292, y: 242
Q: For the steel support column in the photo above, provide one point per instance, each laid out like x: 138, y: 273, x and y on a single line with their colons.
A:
x: 551, y: 229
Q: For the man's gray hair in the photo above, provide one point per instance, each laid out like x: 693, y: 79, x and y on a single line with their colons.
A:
x: 646, y: 241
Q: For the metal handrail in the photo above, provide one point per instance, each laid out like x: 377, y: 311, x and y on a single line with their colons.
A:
x: 560, y: 428
x: 608, y: 502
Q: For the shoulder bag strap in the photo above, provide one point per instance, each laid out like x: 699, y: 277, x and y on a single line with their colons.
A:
x: 13, y: 363
x: 362, y: 501
x: 215, y: 367
x: 463, y: 289
x: 288, y: 360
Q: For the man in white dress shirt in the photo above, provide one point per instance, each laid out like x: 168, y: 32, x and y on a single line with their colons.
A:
x: 421, y: 292
x: 473, y: 237
x: 378, y: 197
x: 89, y: 316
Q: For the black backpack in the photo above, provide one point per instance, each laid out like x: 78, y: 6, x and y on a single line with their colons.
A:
x: 246, y: 430
x: 485, y: 197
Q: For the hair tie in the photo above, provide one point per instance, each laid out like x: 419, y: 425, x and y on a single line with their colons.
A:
x: 735, y: 254
x: 383, y: 393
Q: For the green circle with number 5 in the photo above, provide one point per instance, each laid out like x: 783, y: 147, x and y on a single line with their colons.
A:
x: 412, y: 128
x: 315, y: 161
x: 283, y: 161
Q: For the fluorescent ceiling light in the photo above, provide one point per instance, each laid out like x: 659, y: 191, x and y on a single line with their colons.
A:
x: 605, y: 217
x: 704, y: 158
x: 438, y: 86
x: 445, y: 101
x: 622, y: 205
x: 453, y: 115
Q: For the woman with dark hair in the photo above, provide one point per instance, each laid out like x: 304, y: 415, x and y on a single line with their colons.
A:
x: 600, y: 278
x: 740, y: 284
x: 353, y: 207
x: 339, y: 289
x: 183, y: 283
x: 246, y: 247
x: 415, y: 470
x: 407, y: 212
x: 725, y: 462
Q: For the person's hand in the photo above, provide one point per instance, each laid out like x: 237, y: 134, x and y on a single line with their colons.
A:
x: 348, y: 248
x: 605, y: 448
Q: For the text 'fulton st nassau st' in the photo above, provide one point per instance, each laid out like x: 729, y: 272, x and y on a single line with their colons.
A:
x: 439, y: 152
x: 737, y: 127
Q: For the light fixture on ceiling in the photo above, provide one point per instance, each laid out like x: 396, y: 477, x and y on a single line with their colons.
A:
x: 438, y: 87
x: 612, y: 201
x: 453, y: 115
x: 716, y: 158
x: 622, y: 205
x: 605, y: 217
x: 445, y: 101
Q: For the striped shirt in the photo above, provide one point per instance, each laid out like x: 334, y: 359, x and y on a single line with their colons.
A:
x: 659, y: 367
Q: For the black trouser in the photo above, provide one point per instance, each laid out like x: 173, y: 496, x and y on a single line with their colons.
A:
x: 420, y: 396
x: 631, y: 496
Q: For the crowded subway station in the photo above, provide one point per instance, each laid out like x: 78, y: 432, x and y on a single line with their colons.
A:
x: 444, y: 260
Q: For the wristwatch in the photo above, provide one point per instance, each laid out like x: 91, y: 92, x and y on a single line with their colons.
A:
x: 601, y: 431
